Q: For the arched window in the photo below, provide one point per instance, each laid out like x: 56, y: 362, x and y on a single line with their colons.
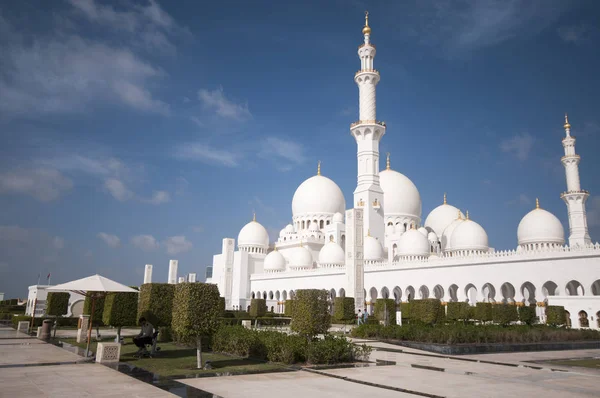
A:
x: 321, y: 224
x: 583, y: 320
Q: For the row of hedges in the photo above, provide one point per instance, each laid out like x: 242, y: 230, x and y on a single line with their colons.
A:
x: 5, y: 303
x: 70, y: 322
x: 474, y: 334
x: 343, y: 309
x: 264, y: 321
x: 284, y: 348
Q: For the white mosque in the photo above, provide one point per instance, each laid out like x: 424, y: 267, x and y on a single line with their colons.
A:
x: 382, y: 248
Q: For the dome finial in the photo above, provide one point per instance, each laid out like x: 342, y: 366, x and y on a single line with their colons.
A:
x: 368, y: 232
x: 254, y: 216
x: 445, y: 198
x: 366, y: 30
x: 387, y: 162
x: 319, y: 168
x: 275, y: 247
x: 459, y: 215
x: 567, y: 126
x: 467, y: 215
x: 537, y: 203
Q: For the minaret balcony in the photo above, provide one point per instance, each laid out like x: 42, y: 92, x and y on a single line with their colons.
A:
x: 366, y: 71
x: 570, y: 157
x: 367, y: 122
x: 365, y: 45
x: 581, y: 192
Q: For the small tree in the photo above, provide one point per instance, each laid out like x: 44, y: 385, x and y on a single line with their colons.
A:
x: 483, y: 312
x: 120, y: 309
x: 57, y: 304
x: 258, y: 307
x: 504, y: 314
x: 310, y: 315
x: 555, y: 315
x: 343, y: 309
x: 385, y: 310
x: 156, y: 303
x: 95, y: 319
x: 289, y: 308
x: 527, y: 314
x: 196, y: 312
x: 458, y: 311
x: 426, y: 311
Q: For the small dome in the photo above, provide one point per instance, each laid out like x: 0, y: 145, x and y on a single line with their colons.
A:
x: 318, y: 195
x: 413, y: 243
x: 338, y: 218
x: 331, y: 253
x: 253, y: 234
x: 432, y: 237
x: 289, y: 229
x: 400, y: 195
x: 313, y: 227
x: 274, y: 261
x: 447, y: 234
x: 390, y: 229
x: 469, y: 235
x: 424, y: 231
x: 441, y: 217
x: 540, y: 226
x: 301, y: 258
x: 373, y: 249
x: 400, y: 228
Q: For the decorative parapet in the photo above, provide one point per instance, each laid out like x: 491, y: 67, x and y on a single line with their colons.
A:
x: 365, y: 45
x: 367, y: 122
x: 366, y: 71
x: 108, y: 352
x: 583, y: 191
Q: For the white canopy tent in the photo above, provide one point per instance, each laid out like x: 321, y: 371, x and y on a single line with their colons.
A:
x: 95, y: 286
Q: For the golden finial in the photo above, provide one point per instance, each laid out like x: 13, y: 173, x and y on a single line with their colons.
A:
x: 459, y: 215
x: 301, y: 243
x: 319, y: 168
x: 537, y: 203
x: 368, y: 232
x: 467, y: 215
x: 445, y: 198
x: 331, y: 238
x: 366, y: 30
x: 275, y: 248
x: 567, y: 125
x: 254, y: 216
x: 387, y: 162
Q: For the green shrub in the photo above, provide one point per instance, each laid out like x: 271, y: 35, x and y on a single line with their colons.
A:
x: 311, y: 313
x: 458, y: 311
x: 120, y: 309
x: 288, y: 307
x: 385, y: 305
x: 156, y: 303
x: 343, y: 309
x: 482, y: 312
x: 196, y: 312
x: 426, y: 311
x: 222, y: 305
x: 57, y: 303
x: 405, y: 309
x: 258, y: 307
x: 164, y: 334
x: 527, y: 314
x: 98, y: 309
x: 504, y: 314
x: 555, y: 315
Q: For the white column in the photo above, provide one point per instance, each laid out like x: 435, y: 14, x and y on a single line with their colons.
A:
x: 181, y: 279
x: 227, y: 252
x: 192, y: 277
x: 355, y: 278
x: 148, y: 273
x: 173, y: 271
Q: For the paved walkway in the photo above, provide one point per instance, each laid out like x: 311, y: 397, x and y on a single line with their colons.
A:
x: 32, y: 368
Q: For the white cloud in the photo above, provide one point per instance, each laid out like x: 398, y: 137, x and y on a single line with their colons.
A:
x: 118, y: 189
x: 574, y: 34
x: 204, y: 153
x: 593, y: 211
x: 282, y: 148
x: 13, y: 233
x: 43, y: 184
x: 197, y: 121
x: 198, y: 228
x: 177, y: 244
x: 215, y: 100
x: 521, y: 199
x: 159, y: 197
x: 145, y: 242
x: 58, y: 242
x: 111, y: 240
x: 519, y: 145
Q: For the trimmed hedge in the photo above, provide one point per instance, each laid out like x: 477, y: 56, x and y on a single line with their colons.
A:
x: 458, y: 311
x: 527, y: 315
x: 196, y: 311
x: 504, y: 314
x: 57, y: 303
x: 258, y: 307
x: 482, y: 312
x: 156, y: 303
x: 457, y: 333
x: 98, y: 309
x: 310, y: 315
x: 120, y: 309
x: 381, y: 305
x: 405, y: 309
x: 555, y: 315
x: 288, y: 307
x: 60, y: 322
x: 427, y: 311
x: 343, y: 309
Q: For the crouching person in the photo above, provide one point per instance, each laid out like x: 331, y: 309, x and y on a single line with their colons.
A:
x: 144, y: 337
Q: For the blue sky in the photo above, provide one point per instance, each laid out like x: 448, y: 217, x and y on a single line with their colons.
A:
x: 134, y: 132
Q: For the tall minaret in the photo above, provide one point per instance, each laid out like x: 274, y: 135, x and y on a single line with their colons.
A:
x: 367, y: 131
x: 574, y: 197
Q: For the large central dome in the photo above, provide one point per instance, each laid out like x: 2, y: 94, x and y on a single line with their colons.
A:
x: 318, y: 195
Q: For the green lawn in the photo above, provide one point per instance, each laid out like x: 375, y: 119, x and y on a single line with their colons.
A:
x: 174, y: 360
x: 584, y: 363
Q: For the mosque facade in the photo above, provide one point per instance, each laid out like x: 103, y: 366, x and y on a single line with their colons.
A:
x: 381, y: 247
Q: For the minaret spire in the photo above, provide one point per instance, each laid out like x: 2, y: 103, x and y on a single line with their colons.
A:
x: 387, y: 162
x: 445, y: 202
x: 574, y: 197
x: 319, y: 168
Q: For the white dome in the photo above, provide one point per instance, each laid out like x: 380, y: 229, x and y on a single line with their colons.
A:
x: 331, y: 253
x: 313, y: 227
x: 338, y: 218
x: 400, y: 195
x: 318, y: 195
x: 413, y: 243
x: 540, y: 226
x: 301, y: 258
x: 432, y: 237
x: 469, y: 236
x: 289, y: 229
x: 424, y: 231
x: 400, y: 228
x: 253, y: 234
x: 441, y: 217
x: 447, y: 234
x: 274, y: 261
x: 373, y: 249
